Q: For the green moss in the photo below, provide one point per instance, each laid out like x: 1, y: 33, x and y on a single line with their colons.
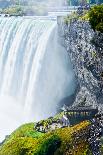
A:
x: 49, y: 146
x: 31, y: 146
x: 26, y: 141
x: 22, y: 130
x: 34, y: 134
x: 68, y: 135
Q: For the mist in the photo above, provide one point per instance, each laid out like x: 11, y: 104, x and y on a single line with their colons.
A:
x: 42, y: 7
x: 31, y: 7
x: 48, y: 3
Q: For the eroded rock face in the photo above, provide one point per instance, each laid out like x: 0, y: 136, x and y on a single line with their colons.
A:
x: 86, y: 59
x: 85, y: 98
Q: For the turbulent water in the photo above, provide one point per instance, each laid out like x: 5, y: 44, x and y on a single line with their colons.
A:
x: 35, y: 71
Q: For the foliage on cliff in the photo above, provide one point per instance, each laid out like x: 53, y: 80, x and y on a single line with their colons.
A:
x: 69, y: 18
x: 17, y: 10
x: 96, y: 17
x: 26, y: 141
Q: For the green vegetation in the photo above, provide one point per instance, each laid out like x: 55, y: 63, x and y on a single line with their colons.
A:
x: 33, y: 134
x: 85, y: 16
x: 75, y: 16
x: 22, y: 131
x: 19, y: 7
x: 26, y: 141
x: 51, y: 119
x: 96, y: 18
x: 13, y: 11
x: 19, y: 10
x: 71, y: 17
x: 83, y: 2
x: 49, y: 146
x: 30, y: 146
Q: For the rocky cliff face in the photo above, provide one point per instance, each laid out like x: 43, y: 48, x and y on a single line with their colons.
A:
x: 84, y: 47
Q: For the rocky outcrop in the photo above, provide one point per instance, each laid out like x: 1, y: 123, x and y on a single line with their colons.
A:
x: 85, y: 50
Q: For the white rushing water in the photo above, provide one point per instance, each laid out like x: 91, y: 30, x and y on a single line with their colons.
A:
x: 35, y: 71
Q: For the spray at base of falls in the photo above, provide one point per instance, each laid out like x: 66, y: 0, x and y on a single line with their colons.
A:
x: 35, y: 71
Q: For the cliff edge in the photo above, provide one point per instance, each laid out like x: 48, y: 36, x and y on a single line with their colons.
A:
x: 84, y: 47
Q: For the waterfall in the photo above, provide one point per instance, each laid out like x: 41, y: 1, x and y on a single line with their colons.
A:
x: 35, y: 71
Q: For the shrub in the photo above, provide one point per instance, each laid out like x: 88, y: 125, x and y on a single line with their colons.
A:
x: 99, y: 27
x: 13, y: 11
x: 96, y: 18
x: 49, y: 146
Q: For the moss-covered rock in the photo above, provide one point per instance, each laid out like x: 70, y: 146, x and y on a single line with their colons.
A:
x: 26, y: 141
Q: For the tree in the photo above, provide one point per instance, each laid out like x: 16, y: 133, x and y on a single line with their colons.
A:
x: 96, y: 18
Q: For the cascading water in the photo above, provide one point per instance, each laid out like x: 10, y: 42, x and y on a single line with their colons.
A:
x: 35, y: 71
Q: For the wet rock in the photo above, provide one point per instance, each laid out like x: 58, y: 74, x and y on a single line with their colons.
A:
x: 85, y: 94
x: 86, y: 60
